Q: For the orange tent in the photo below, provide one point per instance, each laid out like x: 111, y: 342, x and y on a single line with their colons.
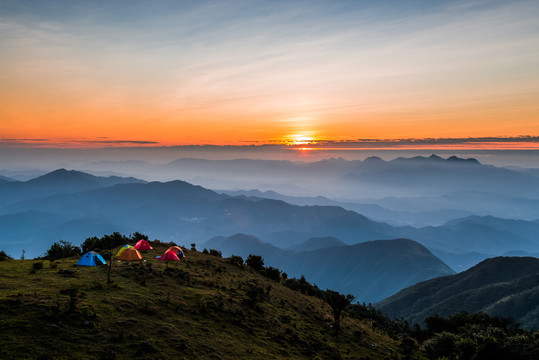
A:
x: 125, y: 247
x: 130, y: 254
x: 143, y: 245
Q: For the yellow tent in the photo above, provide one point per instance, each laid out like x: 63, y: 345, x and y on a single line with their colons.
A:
x: 130, y: 254
x: 125, y: 247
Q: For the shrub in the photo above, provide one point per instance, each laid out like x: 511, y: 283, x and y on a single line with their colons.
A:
x: 36, y: 266
x: 272, y: 273
x: 62, y: 249
x: 157, y: 242
x: 216, y: 253
x: 138, y: 236
x: 236, y: 260
x: 441, y: 345
x: 91, y: 243
x: 255, y: 262
x: 379, y: 320
x: 255, y: 294
x: 4, y: 256
x: 105, y: 242
x: 304, y: 286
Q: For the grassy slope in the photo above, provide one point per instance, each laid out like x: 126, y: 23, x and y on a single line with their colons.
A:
x: 150, y: 312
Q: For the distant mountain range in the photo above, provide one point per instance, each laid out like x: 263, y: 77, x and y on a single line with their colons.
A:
x: 501, y: 286
x: 5, y: 179
x: 418, y: 191
x: 345, y: 180
x: 371, y: 270
x: 67, y: 205
x: 370, y: 210
x: 57, y: 182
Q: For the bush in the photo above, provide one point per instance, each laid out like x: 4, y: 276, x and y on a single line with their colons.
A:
x: 272, y: 273
x: 36, y: 266
x: 236, y: 260
x: 62, y: 249
x: 304, y: 286
x: 138, y: 236
x: 255, y: 294
x: 379, y: 320
x: 441, y: 345
x: 105, y: 242
x: 216, y: 253
x: 4, y: 256
x: 255, y: 262
x: 156, y: 242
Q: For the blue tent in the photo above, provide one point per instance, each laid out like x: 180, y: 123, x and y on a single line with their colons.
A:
x: 91, y: 258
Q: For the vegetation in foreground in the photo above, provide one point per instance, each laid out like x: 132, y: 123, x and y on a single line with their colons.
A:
x: 203, y: 306
x: 209, y: 307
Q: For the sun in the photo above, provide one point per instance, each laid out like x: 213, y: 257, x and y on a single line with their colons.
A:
x: 299, y: 139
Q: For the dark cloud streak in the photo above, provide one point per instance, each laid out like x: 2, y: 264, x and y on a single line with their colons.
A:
x: 428, y: 141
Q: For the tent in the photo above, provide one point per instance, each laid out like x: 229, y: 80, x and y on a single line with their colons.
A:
x: 178, y: 250
x: 169, y: 256
x: 143, y: 245
x: 91, y: 258
x: 130, y: 254
x: 125, y: 247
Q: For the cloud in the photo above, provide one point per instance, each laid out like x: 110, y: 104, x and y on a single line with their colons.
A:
x: 75, y: 143
x: 523, y: 141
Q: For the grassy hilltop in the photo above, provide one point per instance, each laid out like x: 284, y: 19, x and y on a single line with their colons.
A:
x: 202, y: 307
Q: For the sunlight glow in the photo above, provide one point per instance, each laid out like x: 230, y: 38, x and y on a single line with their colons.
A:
x: 299, y: 139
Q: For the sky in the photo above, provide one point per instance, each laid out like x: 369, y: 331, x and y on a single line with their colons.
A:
x: 167, y: 73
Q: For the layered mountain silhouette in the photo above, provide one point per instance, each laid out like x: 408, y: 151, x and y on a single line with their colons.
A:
x: 317, y: 243
x: 501, y: 286
x: 57, y: 182
x: 371, y: 271
x: 5, y: 179
x: 185, y: 213
x: 351, y: 180
x: 372, y: 211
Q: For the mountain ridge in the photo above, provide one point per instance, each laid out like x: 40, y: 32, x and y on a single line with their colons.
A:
x: 370, y: 270
x: 500, y: 286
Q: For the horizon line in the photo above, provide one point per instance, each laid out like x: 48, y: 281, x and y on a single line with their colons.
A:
x: 521, y: 142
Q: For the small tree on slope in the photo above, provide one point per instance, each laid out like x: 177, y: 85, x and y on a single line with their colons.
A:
x: 338, y: 303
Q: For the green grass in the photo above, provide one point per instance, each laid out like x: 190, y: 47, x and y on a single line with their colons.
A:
x: 151, y: 311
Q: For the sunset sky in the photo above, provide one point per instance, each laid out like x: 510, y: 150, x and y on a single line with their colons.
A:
x: 163, y: 73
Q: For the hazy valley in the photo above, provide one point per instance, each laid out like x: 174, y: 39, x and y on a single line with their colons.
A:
x: 73, y: 205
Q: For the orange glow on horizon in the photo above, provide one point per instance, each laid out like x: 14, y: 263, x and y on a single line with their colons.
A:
x: 82, y: 79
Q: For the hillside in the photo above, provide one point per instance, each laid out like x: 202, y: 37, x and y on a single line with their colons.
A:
x: 371, y: 271
x: 200, y: 307
x: 501, y: 286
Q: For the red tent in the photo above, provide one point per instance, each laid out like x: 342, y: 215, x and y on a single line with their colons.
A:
x: 169, y: 256
x: 178, y: 250
x: 143, y: 245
